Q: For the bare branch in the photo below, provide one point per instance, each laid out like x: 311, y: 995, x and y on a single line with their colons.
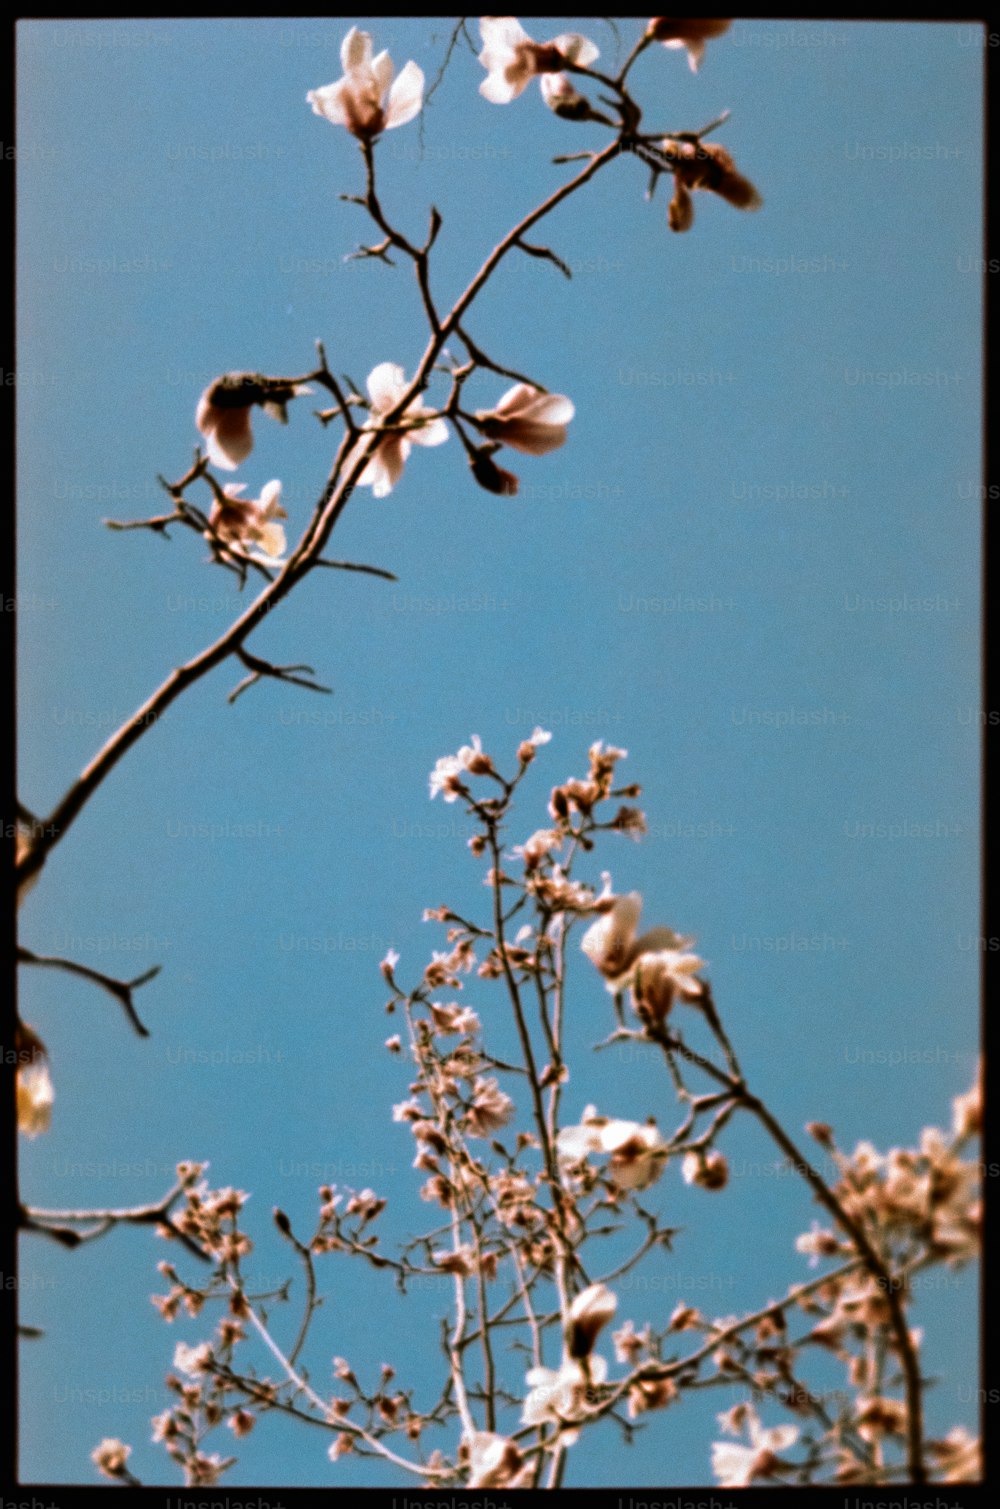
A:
x: 121, y: 989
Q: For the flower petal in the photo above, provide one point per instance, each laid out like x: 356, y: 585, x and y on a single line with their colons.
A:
x: 382, y: 71
x: 435, y: 433
x: 405, y: 97
x: 501, y: 34
x: 355, y: 50
x: 329, y: 102
x: 386, y: 386
x: 577, y: 49
x: 270, y: 501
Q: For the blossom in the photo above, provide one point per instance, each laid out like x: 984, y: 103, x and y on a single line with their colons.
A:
x: 660, y: 978
x: 817, y: 1242
x: 690, y: 34
x: 453, y: 1018
x: 561, y: 1396
x: 490, y: 1109
x: 367, y: 100
x: 538, y: 846
x: 249, y: 523
x: 387, y: 385
x: 512, y: 58
x: 223, y: 413
x: 650, y: 1393
x: 35, y: 1092
x: 528, y: 748
x: 110, y: 1457
x: 192, y: 1361
x: 205, y: 1470
x: 638, y: 1152
x: 560, y: 95
x: 590, y: 1311
x: 492, y: 477
x: 878, y: 1416
x: 736, y: 1465
x: 494, y: 1461
x: 704, y: 165
x: 710, y: 1170
x: 445, y: 777
x: 611, y: 945
x: 630, y: 1344
x: 958, y: 1456
x: 528, y: 420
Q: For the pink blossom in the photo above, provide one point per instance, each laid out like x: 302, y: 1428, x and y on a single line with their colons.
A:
x: 736, y: 1466
x: 249, y: 523
x: 588, y: 1315
x: 611, y: 944
x: 223, y: 413
x: 528, y: 420
x: 367, y: 100
x: 512, y: 58
x: 387, y: 385
x: 690, y: 34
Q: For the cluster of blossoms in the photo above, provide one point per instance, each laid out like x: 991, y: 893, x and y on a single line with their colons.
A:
x: 521, y: 1190
x: 369, y: 99
x: 518, y: 1190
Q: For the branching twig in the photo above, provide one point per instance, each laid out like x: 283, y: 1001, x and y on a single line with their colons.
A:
x: 122, y: 990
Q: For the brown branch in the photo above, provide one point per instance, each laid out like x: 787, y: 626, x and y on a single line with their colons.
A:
x: 347, y: 467
x: 260, y: 669
x: 60, y: 1225
x: 121, y: 989
x: 389, y: 576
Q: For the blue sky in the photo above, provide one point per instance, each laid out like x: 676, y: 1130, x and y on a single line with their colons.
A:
x: 755, y: 565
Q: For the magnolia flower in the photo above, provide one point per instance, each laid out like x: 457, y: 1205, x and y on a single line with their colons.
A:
x: 528, y: 420
x: 736, y: 1465
x: 192, y: 1361
x: 817, y: 1242
x: 528, y: 748
x: 363, y: 100
x: 661, y: 977
x: 958, y: 1456
x: 35, y: 1093
x: 110, y: 1457
x: 453, y: 1018
x: 704, y: 165
x: 492, y: 477
x: 223, y: 413
x: 562, y: 1396
x: 709, y: 1170
x: 446, y: 775
x: 611, y: 945
x: 638, y: 1152
x: 588, y: 1314
x: 205, y: 1470
x: 878, y: 1416
x: 692, y: 35
x: 494, y: 1461
x: 538, y: 846
x: 490, y: 1109
x: 512, y: 58
x: 386, y: 387
x: 249, y: 523
x: 560, y: 96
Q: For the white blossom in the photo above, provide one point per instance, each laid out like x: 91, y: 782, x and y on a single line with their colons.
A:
x: 367, y: 100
